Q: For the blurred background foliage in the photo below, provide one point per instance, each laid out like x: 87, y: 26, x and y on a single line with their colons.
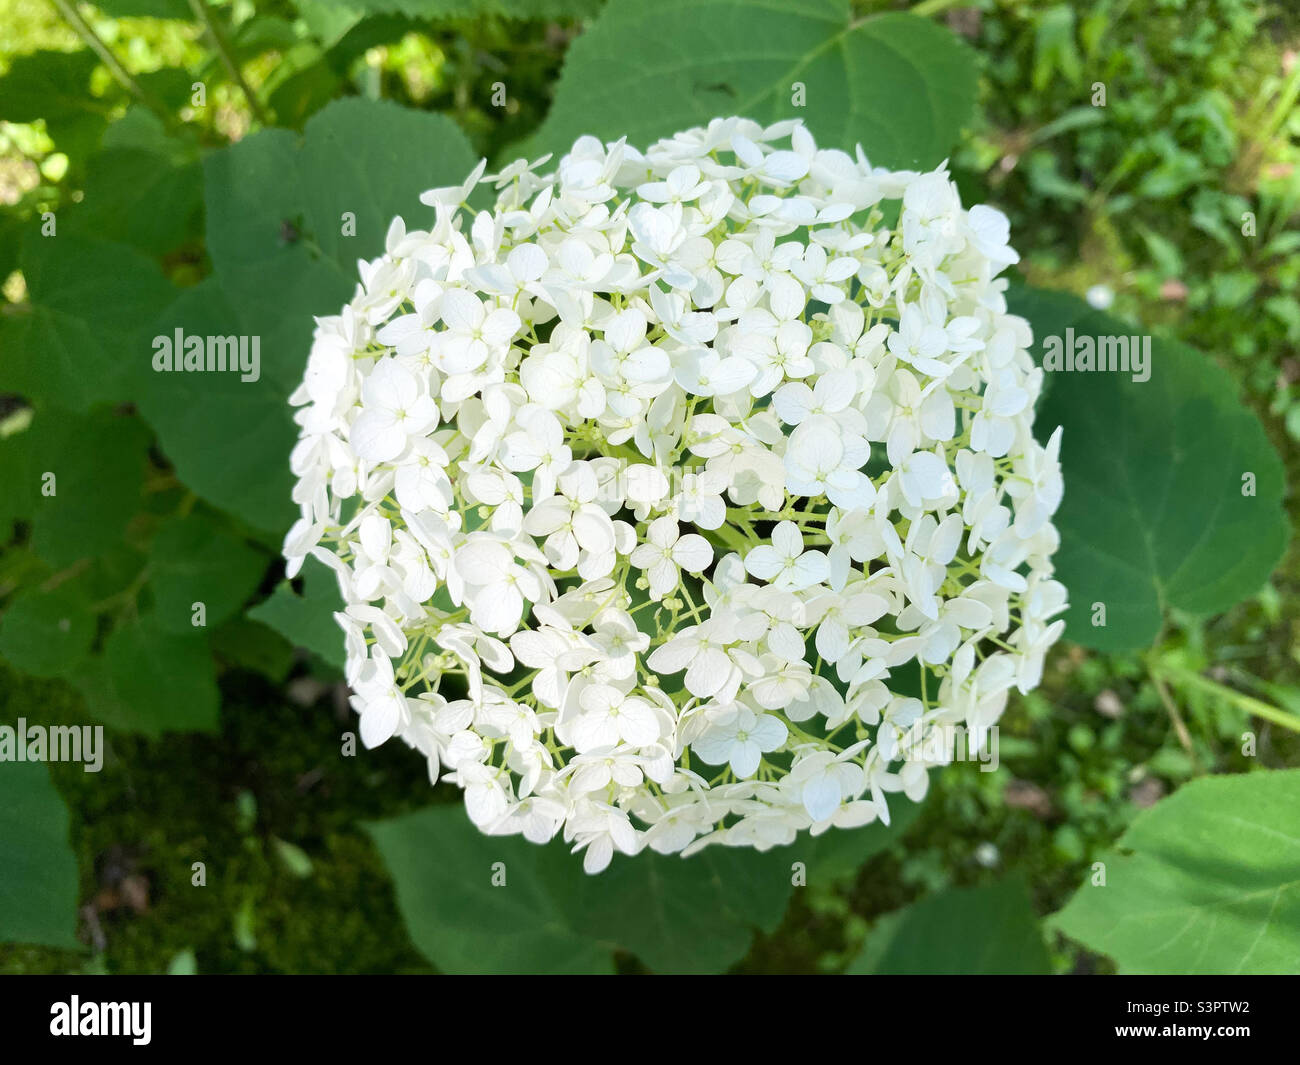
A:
x: 1141, y: 204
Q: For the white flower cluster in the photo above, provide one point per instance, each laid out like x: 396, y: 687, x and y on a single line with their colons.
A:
x: 646, y: 491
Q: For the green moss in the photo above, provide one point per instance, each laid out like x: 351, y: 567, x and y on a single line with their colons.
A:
x: 160, y: 806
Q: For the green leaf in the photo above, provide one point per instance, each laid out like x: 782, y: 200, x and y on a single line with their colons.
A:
x: 303, y: 89
x: 1154, y: 515
x: 975, y: 931
x: 294, y: 858
x: 356, y: 157
x: 442, y: 869
x: 307, y: 620
x: 1206, y: 881
x: 47, y: 634
x: 48, y: 85
x: 38, y: 891
x: 195, y: 560
x: 274, y: 206
x: 171, y: 9
x: 446, y: 9
x: 839, y: 853
x: 99, y: 464
x: 255, y: 229
x: 153, y: 681
x: 264, y: 33
x: 172, y: 88
x: 247, y: 644
x: 140, y: 198
x: 229, y: 439
x: 678, y: 915
x: 83, y: 333
x: 329, y: 21
x: 275, y: 213
x: 244, y: 925
x: 139, y: 129
x: 900, y: 85
x: 77, y: 479
x: 54, y: 87
x: 690, y: 915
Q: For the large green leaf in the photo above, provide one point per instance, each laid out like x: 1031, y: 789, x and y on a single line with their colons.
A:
x: 307, y: 620
x: 153, y: 681
x: 38, y: 871
x: 839, y: 853
x: 373, y: 159
x: 76, y: 478
x: 100, y: 462
x: 1156, y: 512
x: 442, y: 869
x: 676, y: 914
x: 1207, y: 881
x: 256, y: 217
x: 83, y: 333
x: 47, y: 633
x: 900, y: 85
x: 50, y: 625
x: 276, y: 206
x: 229, y: 439
x: 977, y: 931
x: 441, y: 9
x: 47, y: 85
x: 54, y: 88
x: 140, y: 198
x: 195, y: 560
x: 247, y: 644
x: 140, y: 130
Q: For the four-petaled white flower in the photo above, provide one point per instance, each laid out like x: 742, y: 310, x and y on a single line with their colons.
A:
x: 395, y: 407
x: 665, y: 550
x: 785, y: 563
x: 609, y: 717
x: 473, y: 332
x: 503, y: 586
x: 739, y: 738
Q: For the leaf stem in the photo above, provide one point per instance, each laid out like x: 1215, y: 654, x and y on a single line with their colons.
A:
x: 1253, y: 706
x: 121, y: 75
x: 222, y: 44
x: 1180, y: 727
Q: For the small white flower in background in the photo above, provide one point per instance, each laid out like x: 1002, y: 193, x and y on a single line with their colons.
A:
x: 643, y: 488
x: 1100, y: 296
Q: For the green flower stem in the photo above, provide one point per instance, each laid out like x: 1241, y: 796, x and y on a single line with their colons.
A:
x: 690, y: 604
x: 733, y: 538
x: 1253, y: 706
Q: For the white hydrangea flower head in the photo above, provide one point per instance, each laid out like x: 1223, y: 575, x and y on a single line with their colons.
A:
x: 646, y: 489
